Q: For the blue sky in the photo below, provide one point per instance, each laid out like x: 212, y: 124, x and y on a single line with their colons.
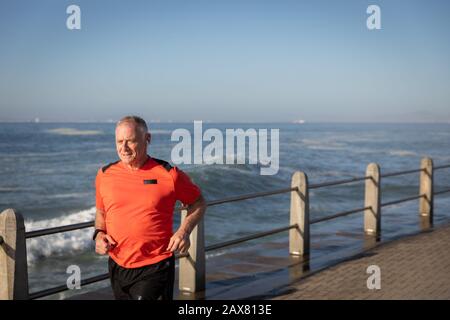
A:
x: 225, y: 61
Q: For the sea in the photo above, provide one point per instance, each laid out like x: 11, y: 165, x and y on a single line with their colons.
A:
x: 48, y: 170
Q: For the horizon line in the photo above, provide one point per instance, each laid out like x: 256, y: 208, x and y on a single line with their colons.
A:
x: 222, y: 122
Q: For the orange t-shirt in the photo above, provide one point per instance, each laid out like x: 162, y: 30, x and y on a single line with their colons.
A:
x: 139, y: 207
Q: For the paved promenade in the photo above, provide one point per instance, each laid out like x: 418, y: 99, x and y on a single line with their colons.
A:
x: 416, y: 267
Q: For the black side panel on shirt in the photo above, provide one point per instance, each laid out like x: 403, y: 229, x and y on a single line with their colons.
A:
x: 165, y: 164
x: 108, y: 165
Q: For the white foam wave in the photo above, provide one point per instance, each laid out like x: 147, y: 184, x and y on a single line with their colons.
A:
x: 334, y: 173
x: 9, y: 189
x: 160, y: 131
x: 347, y: 138
x: 323, y: 144
x: 105, y: 150
x: 36, y: 154
x: 60, y: 243
x: 216, y: 159
x: 216, y: 168
x: 16, y: 189
x: 74, y: 132
x: 402, y: 153
x: 69, y: 195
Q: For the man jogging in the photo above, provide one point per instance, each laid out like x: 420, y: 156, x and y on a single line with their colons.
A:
x: 135, y: 199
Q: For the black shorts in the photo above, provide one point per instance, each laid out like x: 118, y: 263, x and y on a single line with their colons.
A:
x: 152, y: 282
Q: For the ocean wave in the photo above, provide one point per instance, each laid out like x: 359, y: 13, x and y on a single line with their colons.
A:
x: 335, y: 173
x: 38, y: 154
x: 69, y: 195
x: 74, y: 132
x: 229, y: 171
x: 111, y: 149
x: 16, y: 189
x: 6, y: 189
x: 443, y: 159
x: 250, y: 158
x: 323, y: 144
x: 402, y: 153
x: 162, y: 132
x: 358, y: 138
x: 61, y: 243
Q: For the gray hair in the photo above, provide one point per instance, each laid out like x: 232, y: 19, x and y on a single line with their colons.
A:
x: 138, y: 121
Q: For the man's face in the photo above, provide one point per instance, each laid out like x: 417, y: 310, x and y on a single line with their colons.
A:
x: 131, y: 143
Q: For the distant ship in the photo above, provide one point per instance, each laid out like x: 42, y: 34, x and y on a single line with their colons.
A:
x: 299, y: 121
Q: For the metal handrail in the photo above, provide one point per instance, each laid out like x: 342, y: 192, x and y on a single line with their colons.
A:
x: 61, y: 288
x: 399, y: 173
x: 249, y: 196
x: 402, y: 200
x: 337, y: 215
x: 247, y: 238
x: 335, y: 183
x: 441, y: 191
x: 70, y: 227
x: 442, y: 167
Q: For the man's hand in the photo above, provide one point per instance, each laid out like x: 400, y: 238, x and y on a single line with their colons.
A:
x: 104, y: 243
x: 179, y: 242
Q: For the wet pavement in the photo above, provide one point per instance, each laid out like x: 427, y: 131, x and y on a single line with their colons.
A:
x: 415, y: 267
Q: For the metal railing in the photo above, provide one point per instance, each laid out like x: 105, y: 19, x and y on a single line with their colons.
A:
x: 338, y: 215
x: 298, y: 229
x: 49, y: 231
x: 248, y: 238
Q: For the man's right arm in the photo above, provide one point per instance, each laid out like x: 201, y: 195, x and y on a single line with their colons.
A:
x: 100, y: 220
x: 103, y: 241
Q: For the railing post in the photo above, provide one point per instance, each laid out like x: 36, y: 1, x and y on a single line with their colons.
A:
x: 426, y: 189
x: 192, y: 267
x: 13, y: 257
x: 372, y: 216
x: 299, y: 215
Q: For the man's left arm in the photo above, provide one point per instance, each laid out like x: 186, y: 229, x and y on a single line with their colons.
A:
x: 180, y: 239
